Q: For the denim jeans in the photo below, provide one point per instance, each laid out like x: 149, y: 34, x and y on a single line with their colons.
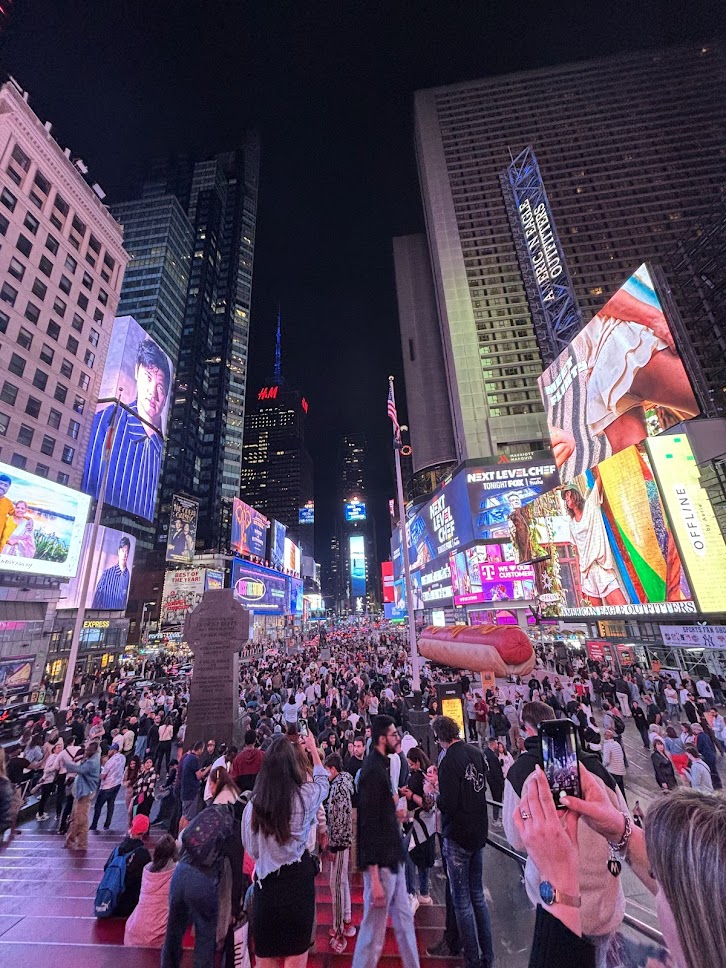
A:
x: 140, y: 747
x: 193, y: 897
x: 107, y: 798
x: 372, y: 932
x: 465, y: 869
x: 423, y: 877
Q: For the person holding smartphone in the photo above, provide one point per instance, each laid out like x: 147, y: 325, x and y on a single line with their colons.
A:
x: 603, y: 901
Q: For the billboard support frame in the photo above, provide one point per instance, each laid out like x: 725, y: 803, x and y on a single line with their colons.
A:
x: 86, y: 580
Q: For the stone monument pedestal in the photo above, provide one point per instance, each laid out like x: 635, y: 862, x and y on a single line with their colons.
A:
x: 216, y: 630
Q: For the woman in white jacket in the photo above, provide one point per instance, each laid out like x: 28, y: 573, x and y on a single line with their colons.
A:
x: 47, y: 781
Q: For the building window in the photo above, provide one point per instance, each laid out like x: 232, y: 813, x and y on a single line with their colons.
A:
x: 4, y: 424
x: 45, y: 266
x: 4, y: 225
x: 4, y: 320
x: 65, y: 284
x: 25, y: 435
x: 108, y: 260
x: 59, y: 306
x: 53, y: 330
x: 66, y: 369
x: 77, y: 323
x: 72, y: 344
x: 32, y: 312
x: 94, y: 244
x: 90, y: 260
x: 82, y: 300
x: 84, y: 381
x: 52, y: 244
x: 25, y: 338
x: 16, y: 365
x: 47, y: 446
x: 89, y: 359
x: 31, y: 223
x: 17, y: 460
x: 61, y: 204
x: 42, y: 470
x: 21, y: 159
x: 47, y: 354
x: 74, y: 428
x: 93, y: 337
x: 40, y: 380
x: 70, y: 264
x: 62, y: 478
x: 24, y: 245
x: 32, y: 407
x: 16, y: 268
x: 8, y: 294
x: 87, y: 280
x: 9, y: 393
x: 61, y: 392
x: 68, y: 454
x: 78, y: 404
x: 103, y: 297
x: 79, y: 226
x: 54, y: 418
x: 98, y: 315
x: 42, y: 182
x: 39, y: 289
x: 8, y: 199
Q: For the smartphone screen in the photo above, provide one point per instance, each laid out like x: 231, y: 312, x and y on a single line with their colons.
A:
x: 302, y: 727
x: 558, y: 747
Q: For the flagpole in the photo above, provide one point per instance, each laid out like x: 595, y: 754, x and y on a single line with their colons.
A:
x: 404, y: 551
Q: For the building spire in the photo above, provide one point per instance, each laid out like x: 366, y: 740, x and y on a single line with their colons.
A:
x: 278, y: 350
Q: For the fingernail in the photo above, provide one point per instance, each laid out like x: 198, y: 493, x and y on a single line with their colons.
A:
x: 564, y: 798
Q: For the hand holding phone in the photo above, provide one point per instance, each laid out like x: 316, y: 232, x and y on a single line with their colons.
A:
x: 302, y: 727
x: 558, y: 754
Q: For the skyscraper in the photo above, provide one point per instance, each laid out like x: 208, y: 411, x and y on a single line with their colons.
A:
x: 357, y: 573
x: 204, y: 450
x: 631, y: 156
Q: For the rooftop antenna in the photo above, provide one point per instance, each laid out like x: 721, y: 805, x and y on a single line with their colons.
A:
x: 278, y: 351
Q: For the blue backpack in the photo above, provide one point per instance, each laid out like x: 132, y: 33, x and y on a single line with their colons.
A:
x: 112, y: 884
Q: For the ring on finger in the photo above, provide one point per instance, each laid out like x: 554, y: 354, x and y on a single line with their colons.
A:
x: 524, y: 815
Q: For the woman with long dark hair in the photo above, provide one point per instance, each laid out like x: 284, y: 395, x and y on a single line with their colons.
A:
x: 275, y: 827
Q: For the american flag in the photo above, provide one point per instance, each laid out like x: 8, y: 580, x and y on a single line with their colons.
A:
x: 394, y: 416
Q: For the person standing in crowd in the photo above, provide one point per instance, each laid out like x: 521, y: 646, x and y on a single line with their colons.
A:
x: 422, y: 821
x: 146, y: 926
x: 641, y: 723
x: 495, y: 775
x: 705, y: 746
x: 381, y: 856
x: 112, y: 773
x: 699, y: 775
x: 464, y: 828
x: 665, y: 775
x: 85, y: 786
x: 247, y: 763
x: 48, y: 780
x: 275, y: 828
x: 144, y: 788
x: 7, y: 798
x: 613, y: 760
x: 191, y: 781
x: 163, y: 750
x: 340, y: 838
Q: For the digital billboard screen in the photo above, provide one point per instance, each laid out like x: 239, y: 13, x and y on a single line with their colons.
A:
x: 111, y: 569
x: 489, y: 573
x: 213, y: 580
x: 698, y: 536
x: 277, y: 543
x: 436, y: 586
x: 249, y: 530
x: 138, y: 374
x: 387, y: 581
x: 183, y: 519
x: 609, y: 549
x: 355, y: 510
x: 183, y: 591
x: 620, y: 380
x: 357, y: 547
x: 296, y: 596
x: 495, y: 489
x: 41, y: 524
x: 306, y: 514
x: 292, y: 557
x: 259, y: 589
x: 15, y: 675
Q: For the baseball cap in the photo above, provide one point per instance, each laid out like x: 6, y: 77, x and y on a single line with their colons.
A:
x: 140, y: 826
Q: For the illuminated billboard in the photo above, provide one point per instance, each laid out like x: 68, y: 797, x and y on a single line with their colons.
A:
x: 138, y: 374
x: 387, y: 581
x: 214, y: 580
x: 496, y: 489
x: 700, y: 542
x: 183, y: 591
x: 41, y: 524
x: 489, y: 573
x: 259, y: 589
x: 296, y: 596
x: 111, y: 568
x: 15, y: 675
x: 249, y: 530
x: 357, y: 546
x: 608, y: 548
x: 620, y: 380
x: 355, y: 510
x: 436, y: 583
x: 183, y: 519
x: 292, y: 558
x: 306, y: 514
x: 277, y: 543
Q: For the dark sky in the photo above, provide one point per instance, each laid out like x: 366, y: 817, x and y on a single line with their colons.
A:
x: 329, y: 85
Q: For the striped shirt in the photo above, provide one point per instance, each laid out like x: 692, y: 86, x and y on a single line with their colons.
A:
x: 133, y: 476
x: 112, y: 590
x: 612, y: 757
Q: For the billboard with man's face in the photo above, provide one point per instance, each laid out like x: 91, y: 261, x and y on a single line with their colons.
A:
x: 138, y: 374
x: 620, y: 380
x: 111, y: 568
x: 41, y: 524
x: 182, y: 530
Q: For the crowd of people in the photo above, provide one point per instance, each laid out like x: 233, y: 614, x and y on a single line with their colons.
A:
x: 328, y: 775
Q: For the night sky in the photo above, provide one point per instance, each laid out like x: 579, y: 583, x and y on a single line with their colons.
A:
x: 329, y: 85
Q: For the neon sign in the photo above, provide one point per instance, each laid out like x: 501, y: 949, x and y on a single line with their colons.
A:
x: 304, y: 405
x: 268, y: 393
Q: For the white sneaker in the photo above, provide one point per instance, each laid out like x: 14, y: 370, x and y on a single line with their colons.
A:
x: 425, y: 899
x: 42, y: 816
x: 414, y: 902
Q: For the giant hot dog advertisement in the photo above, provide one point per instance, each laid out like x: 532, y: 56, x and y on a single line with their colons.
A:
x: 504, y: 650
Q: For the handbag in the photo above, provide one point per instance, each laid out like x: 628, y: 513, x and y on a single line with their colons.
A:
x: 241, y: 945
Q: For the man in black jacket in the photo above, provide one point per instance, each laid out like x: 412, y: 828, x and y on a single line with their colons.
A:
x: 463, y: 805
x: 495, y: 776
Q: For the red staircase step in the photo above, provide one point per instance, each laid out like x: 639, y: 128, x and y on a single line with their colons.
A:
x: 30, y: 955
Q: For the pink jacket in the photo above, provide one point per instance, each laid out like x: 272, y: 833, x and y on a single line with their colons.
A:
x: 146, y: 926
